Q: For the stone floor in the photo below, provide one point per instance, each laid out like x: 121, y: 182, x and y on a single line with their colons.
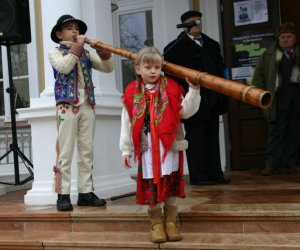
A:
x: 246, y: 187
x: 253, y: 212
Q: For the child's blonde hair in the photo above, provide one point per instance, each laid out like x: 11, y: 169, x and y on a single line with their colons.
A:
x: 149, y: 55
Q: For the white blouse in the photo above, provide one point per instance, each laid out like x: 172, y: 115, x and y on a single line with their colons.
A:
x: 190, y: 105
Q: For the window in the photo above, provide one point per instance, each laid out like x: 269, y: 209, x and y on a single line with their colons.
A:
x: 134, y: 31
x: 1, y: 88
x: 20, y: 78
x: 21, y: 85
x: 20, y: 75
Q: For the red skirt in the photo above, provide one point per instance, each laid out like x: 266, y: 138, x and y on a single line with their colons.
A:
x: 170, y: 186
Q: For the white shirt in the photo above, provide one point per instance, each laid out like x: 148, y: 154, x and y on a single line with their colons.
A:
x: 190, y: 105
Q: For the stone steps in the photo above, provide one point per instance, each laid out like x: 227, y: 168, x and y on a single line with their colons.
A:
x: 202, y: 218
x: 203, y: 226
x: 140, y: 240
x: 251, y: 214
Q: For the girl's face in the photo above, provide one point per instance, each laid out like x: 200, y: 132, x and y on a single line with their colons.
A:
x: 68, y: 31
x: 149, y: 72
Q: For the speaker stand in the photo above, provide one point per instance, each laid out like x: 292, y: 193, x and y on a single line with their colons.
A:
x: 14, y: 148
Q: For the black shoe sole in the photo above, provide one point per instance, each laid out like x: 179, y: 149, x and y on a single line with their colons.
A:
x: 91, y: 204
x: 64, y: 208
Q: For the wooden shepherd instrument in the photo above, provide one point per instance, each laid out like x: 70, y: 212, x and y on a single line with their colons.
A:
x: 248, y: 94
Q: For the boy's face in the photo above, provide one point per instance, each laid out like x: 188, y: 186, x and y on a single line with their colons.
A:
x: 149, y: 72
x: 68, y: 31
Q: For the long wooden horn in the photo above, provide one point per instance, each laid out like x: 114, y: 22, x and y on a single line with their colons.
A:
x: 246, y: 93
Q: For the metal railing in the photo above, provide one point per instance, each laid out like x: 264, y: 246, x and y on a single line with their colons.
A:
x: 24, y: 143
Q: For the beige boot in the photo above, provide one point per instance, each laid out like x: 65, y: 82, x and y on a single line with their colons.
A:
x: 157, y: 233
x: 173, y: 233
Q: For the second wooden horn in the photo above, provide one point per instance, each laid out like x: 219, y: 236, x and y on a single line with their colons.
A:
x: 246, y: 93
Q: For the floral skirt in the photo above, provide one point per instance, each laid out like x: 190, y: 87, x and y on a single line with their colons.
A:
x: 170, y: 186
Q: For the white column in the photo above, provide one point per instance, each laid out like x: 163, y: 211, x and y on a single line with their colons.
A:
x: 110, y: 179
x: 99, y: 22
x: 51, y: 11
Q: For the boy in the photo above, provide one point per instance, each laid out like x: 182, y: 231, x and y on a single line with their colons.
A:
x: 75, y: 101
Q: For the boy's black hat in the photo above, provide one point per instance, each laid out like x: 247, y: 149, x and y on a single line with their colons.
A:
x: 63, y: 19
x: 189, y: 14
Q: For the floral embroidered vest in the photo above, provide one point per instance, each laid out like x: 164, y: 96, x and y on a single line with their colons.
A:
x: 66, y: 86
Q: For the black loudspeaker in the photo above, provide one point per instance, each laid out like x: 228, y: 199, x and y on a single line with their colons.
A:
x: 14, y: 22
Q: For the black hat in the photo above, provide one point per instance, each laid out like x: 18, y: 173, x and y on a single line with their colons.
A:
x: 189, y: 14
x: 63, y: 19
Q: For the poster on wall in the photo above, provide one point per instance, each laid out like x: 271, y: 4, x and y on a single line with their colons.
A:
x: 250, y: 12
x: 247, y: 48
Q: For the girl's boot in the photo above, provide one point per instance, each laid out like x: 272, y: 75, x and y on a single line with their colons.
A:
x: 173, y: 233
x: 157, y: 233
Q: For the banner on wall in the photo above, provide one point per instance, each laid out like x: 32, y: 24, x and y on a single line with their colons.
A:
x: 247, y: 48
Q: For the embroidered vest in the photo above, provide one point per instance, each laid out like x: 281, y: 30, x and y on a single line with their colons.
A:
x: 66, y: 86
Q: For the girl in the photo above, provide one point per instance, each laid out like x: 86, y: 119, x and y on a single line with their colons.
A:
x: 151, y: 129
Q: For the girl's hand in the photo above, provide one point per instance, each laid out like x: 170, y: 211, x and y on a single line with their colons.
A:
x: 126, y: 161
x: 193, y: 86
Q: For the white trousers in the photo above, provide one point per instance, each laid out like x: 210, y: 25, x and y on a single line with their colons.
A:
x: 75, y: 125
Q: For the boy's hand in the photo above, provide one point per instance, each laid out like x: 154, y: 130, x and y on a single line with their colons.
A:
x: 104, y: 54
x: 193, y: 86
x: 77, y: 46
x: 93, y: 43
x: 126, y: 161
x: 80, y: 40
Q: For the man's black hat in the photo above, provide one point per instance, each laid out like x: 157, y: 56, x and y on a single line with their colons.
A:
x: 63, y: 19
x: 189, y: 14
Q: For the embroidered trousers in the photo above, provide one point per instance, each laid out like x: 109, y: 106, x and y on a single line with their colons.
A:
x: 75, y: 125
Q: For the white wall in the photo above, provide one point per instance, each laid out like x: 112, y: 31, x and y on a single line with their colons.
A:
x: 165, y: 17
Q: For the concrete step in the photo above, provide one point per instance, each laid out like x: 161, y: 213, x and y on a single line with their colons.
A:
x: 205, y: 218
x: 140, y: 240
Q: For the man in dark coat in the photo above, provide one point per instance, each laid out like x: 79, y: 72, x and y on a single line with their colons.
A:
x: 195, y: 50
x: 278, y: 71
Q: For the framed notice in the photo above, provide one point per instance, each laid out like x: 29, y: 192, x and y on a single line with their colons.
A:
x: 250, y: 12
x: 247, y: 48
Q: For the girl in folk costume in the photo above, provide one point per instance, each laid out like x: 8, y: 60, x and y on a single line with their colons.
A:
x: 151, y: 129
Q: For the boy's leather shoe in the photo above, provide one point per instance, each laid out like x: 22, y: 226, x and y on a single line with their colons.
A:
x: 90, y: 199
x: 63, y: 202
